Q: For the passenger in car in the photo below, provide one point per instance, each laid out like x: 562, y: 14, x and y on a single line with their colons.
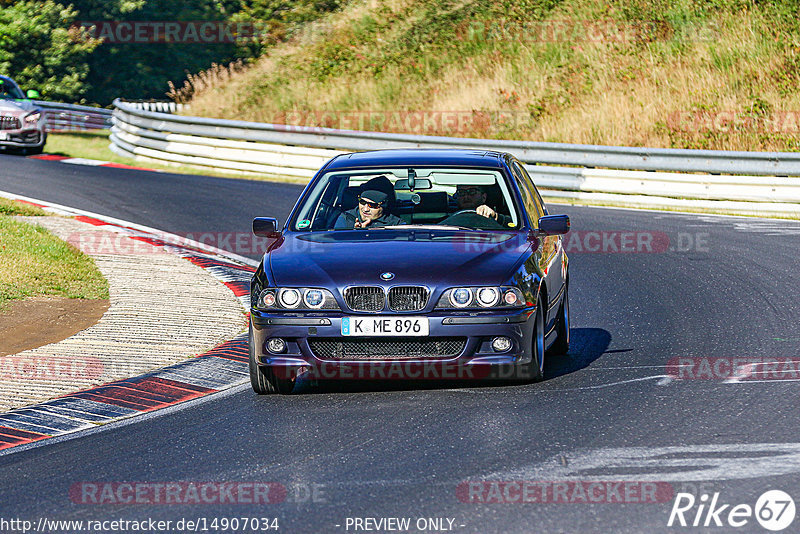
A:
x: 473, y: 197
x: 371, y: 212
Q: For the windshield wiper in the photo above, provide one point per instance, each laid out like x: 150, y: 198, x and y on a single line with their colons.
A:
x: 426, y: 227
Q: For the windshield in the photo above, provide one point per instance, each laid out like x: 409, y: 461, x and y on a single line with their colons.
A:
x: 385, y: 198
x: 9, y: 91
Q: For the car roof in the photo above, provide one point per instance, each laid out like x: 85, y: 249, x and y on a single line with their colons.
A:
x: 418, y: 157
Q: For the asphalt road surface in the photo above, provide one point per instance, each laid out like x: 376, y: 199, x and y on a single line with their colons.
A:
x: 682, y: 378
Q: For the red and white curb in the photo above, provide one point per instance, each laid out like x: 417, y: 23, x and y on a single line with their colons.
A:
x: 221, y: 368
x: 89, y: 162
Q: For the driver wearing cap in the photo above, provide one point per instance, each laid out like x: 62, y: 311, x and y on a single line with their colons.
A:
x: 371, y: 212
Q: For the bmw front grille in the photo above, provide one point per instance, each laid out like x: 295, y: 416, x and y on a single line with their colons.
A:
x: 373, y: 298
x: 408, y: 298
x: 365, y: 298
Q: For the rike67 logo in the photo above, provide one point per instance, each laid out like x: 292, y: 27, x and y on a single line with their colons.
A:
x: 774, y: 510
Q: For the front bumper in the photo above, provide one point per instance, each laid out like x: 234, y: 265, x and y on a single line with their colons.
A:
x: 29, y: 138
x: 301, y: 332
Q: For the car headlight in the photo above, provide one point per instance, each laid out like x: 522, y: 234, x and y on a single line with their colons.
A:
x: 33, y: 118
x: 461, y: 297
x: 289, y: 298
x: 487, y: 296
x: 482, y: 297
x: 296, y: 298
x: 313, y: 298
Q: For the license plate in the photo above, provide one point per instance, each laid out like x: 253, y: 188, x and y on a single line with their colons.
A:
x: 385, y: 326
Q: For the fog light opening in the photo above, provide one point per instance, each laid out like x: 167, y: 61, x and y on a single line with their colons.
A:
x: 276, y: 345
x: 501, y: 344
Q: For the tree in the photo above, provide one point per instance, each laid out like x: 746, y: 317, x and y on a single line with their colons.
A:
x: 40, y: 50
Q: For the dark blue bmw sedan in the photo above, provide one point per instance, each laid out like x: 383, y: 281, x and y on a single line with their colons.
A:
x: 411, y: 264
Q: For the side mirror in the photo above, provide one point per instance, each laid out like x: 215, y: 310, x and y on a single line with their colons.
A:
x: 554, y: 224
x: 33, y: 94
x: 266, y: 227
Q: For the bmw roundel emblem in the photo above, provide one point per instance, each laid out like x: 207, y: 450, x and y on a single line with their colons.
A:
x: 387, y: 276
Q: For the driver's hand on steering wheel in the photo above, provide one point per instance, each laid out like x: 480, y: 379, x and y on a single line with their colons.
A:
x: 486, y: 211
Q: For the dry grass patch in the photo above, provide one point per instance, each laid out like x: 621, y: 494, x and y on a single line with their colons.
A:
x: 690, y: 74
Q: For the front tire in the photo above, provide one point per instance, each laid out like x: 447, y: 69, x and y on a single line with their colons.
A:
x: 35, y: 151
x: 263, y: 378
x: 532, y: 371
x: 561, y: 345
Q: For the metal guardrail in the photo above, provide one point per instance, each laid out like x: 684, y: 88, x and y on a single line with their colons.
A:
x: 240, y: 146
x: 64, y: 117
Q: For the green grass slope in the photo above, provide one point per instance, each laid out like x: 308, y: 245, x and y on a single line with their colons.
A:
x: 718, y: 74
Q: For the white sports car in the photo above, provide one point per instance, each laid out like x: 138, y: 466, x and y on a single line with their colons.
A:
x: 22, y: 124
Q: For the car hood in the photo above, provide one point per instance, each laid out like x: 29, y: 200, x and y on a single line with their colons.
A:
x: 15, y: 107
x: 345, y: 258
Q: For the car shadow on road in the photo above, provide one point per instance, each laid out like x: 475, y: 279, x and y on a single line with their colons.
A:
x: 586, y: 345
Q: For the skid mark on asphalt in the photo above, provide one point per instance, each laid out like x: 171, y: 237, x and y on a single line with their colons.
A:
x: 662, y: 381
x: 756, y: 226
x: 667, y: 464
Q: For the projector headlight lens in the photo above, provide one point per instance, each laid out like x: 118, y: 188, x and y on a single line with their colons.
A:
x: 290, y: 298
x: 314, y: 298
x: 461, y: 297
x: 488, y: 296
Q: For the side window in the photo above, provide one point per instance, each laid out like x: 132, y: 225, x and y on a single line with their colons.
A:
x: 528, y: 196
x: 536, y: 196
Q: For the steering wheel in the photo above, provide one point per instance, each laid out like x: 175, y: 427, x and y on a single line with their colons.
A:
x: 462, y: 211
x: 471, y: 218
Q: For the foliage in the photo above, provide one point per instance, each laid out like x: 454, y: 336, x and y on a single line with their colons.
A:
x: 40, y: 52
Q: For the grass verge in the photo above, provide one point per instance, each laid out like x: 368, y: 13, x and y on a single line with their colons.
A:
x: 13, y: 207
x: 35, y: 262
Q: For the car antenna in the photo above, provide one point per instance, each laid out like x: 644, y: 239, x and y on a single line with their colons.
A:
x: 412, y: 178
